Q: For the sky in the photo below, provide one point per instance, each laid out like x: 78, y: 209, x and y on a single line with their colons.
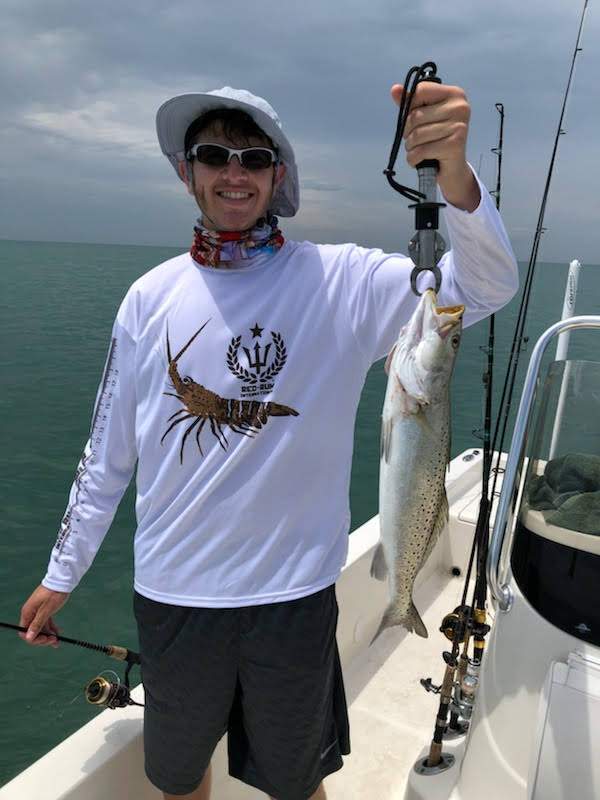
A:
x: 81, y: 83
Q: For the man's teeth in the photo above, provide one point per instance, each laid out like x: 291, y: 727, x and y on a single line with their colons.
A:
x: 235, y: 195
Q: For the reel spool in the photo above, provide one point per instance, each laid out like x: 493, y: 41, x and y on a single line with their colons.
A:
x: 111, y: 694
x: 451, y: 622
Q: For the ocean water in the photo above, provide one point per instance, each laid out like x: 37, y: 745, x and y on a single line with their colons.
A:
x: 58, y: 303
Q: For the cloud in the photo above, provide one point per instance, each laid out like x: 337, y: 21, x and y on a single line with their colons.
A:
x: 81, y: 85
x: 94, y: 127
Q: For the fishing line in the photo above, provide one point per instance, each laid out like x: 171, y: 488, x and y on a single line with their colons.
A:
x: 116, y: 682
x: 78, y: 695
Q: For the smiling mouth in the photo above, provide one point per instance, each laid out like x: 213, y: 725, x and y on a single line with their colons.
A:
x: 235, y: 197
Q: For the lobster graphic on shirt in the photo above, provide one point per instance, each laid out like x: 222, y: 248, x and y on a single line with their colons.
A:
x: 202, y: 405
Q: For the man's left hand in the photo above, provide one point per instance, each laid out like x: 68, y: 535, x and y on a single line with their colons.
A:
x: 437, y: 128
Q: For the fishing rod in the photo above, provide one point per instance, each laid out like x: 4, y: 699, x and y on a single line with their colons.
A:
x: 482, y: 530
x: 483, y: 521
x: 426, y: 246
x: 99, y: 691
x: 476, y: 612
x: 518, y: 338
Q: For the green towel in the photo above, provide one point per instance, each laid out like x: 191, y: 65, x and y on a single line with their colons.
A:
x: 569, y: 492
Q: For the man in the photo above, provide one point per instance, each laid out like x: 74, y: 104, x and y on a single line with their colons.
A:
x: 232, y: 379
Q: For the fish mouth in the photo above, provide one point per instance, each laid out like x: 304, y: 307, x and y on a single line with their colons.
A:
x: 446, y: 329
x: 454, y: 310
x: 428, y: 320
x: 449, y: 318
x: 441, y: 319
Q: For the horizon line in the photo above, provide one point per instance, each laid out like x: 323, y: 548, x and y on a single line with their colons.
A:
x: 186, y: 247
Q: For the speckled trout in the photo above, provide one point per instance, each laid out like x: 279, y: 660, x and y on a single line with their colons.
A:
x: 415, y: 450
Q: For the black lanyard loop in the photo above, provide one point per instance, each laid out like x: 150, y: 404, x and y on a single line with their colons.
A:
x: 427, y: 246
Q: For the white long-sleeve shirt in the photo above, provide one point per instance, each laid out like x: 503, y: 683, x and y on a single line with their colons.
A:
x: 236, y: 516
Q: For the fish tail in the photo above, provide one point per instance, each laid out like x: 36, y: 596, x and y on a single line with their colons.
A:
x: 411, y: 620
x: 414, y: 623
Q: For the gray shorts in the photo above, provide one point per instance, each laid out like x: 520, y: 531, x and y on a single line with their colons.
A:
x: 268, y: 675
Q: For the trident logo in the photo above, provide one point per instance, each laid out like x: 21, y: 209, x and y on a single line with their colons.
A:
x: 257, y: 364
x: 257, y: 359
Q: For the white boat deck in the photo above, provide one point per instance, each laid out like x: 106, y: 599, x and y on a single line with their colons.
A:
x: 391, y: 716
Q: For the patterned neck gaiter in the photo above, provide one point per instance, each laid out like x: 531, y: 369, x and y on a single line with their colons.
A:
x: 220, y: 248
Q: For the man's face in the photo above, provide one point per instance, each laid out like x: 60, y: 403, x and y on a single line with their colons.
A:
x: 208, y: 184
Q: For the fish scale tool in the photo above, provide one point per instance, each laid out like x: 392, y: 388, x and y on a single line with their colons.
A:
x: 427, y: 245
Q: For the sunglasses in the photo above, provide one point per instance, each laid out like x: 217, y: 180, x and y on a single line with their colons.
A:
x: 217, y: 155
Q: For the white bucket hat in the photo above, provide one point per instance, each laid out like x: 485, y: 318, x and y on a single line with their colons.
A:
x: 175, y: 116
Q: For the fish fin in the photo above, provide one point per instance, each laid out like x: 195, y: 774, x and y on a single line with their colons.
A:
x: 386, y: 438
x: 442, y: 517
x: 411, y: 621
x: 414, y: 623
x: 388, y: 360
x: 407, y: 403
x: 386, y: 622
x: 379, y: 568
x: 438, y: 527
x: 380, y: 630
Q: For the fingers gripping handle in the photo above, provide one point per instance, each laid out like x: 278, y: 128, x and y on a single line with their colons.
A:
x: 37, y: 616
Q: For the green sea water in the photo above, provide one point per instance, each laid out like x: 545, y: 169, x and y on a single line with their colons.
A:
x: 58, y: 302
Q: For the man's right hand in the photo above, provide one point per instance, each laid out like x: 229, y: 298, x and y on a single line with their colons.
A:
x: 36, y: 615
